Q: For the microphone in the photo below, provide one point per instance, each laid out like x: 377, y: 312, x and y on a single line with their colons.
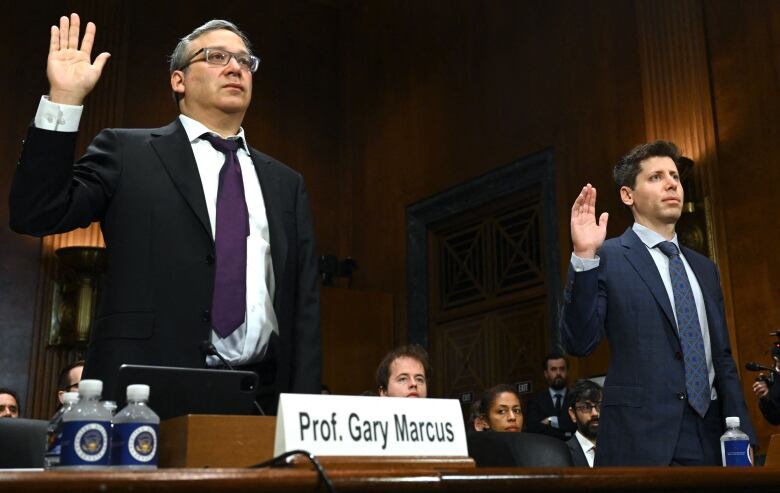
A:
x: 753, y: 366
x: 210, y: 350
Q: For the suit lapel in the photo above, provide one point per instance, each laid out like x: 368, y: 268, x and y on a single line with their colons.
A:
x: 637, y: 255
x: 173, y: 147
x: 269, y: 184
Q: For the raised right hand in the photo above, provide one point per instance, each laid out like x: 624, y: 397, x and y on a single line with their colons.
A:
x: 71, y: 73
x: 586, y: 234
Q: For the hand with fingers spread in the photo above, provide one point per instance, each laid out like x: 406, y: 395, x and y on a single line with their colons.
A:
x: 587, y: 235
x: 72, y: 74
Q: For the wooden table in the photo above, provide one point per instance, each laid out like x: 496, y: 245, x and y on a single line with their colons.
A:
x: 666, y: 480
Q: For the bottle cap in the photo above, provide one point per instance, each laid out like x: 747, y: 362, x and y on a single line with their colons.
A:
x: 90, y: 388
x: 70, y: 397
x: 138, y: 392
x: 732, y: 422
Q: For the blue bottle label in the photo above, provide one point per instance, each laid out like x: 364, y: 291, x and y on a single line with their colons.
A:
x: 135, y: 444
x: 736, y: 453
x: 84, y: 443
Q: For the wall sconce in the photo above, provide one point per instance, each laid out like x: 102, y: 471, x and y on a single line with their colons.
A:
x: 695, y: 225
x: 75, y: 294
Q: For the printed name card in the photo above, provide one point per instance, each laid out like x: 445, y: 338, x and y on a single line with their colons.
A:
x: 369, y: 426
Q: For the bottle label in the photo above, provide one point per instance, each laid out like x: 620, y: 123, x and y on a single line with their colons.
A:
x: 53, y: 451
x: 135, y: 444
x: 736, y: 453
x: 84, y: 443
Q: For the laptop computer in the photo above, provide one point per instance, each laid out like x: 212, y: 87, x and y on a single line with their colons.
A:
x: 179, y: 391
x: 22, y: 443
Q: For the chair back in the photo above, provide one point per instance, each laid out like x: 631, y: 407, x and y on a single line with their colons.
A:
x: 507, y: 449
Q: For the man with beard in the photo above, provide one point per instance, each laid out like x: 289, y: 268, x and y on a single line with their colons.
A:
x: 584, y: 411
x: 546, y: 411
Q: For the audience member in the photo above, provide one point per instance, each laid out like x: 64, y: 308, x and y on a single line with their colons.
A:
x: 584, y: 411
x: 69, y: 379
x: 546, y: 411
x: 9, y: 403
x: 500, y: 410
x: 404, y: 372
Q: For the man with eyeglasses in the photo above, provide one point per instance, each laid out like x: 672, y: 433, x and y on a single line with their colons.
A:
x: 584, y: 412
x: 69, y: 378
x: 210, y: 242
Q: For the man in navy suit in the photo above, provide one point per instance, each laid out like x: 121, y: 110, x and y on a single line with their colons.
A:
x: 177, y: 290
x: 622, y: 288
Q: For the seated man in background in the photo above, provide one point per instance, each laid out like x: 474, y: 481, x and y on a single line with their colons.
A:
x: 584, y: 411
x: 404, y: 372
x: 9, y: 403
x: 500, y: 410
x: 69, y: 379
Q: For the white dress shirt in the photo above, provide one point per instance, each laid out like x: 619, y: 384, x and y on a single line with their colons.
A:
x: 588, y: 447
x: 248, y: 343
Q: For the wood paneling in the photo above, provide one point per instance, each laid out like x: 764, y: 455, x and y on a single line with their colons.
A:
x: 744, y: 60
x: 381, y: 104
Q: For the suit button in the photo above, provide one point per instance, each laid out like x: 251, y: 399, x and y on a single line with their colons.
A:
x: 210, y: 258
x: 678, y: 356
x: 681, y: 396
x: 205, y: 316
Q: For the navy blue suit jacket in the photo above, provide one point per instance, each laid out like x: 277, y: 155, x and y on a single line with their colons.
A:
x: 625, y: 300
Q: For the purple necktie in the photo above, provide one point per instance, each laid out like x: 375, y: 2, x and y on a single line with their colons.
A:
x: 228, y: 305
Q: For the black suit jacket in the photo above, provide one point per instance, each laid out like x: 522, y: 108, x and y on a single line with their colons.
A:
x: 144, y: 188
x: 625, y: 300
x: 578, y: 458
x: 541, y: 406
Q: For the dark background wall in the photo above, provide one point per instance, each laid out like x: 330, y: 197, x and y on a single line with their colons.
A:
x: 381, y: 104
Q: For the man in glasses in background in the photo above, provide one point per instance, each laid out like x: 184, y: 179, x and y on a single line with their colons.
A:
x: 68, y: 380
x: 190, y: 214
x: 584, y: 412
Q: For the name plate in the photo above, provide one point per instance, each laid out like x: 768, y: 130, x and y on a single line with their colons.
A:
x: 369, y: 426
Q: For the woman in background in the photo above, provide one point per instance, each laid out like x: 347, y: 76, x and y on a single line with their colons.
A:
x: 500, y: 410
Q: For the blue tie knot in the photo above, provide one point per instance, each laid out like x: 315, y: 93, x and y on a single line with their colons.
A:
x: 668, y: 248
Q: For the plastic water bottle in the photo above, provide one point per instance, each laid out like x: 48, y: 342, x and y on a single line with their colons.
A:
x: 54, y: 431
x: 735, y: 444
x: 136, y: 430
x: 111, y: 406
x: 86, y: 427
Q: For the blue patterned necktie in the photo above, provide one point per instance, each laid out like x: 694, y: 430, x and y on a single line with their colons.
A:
x: 697, y: 382
x: 228, y: 306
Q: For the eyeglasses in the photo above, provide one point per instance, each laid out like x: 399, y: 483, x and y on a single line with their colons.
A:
x: 217, y: 56
x: 588, y: 408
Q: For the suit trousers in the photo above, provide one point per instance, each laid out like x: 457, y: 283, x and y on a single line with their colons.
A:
x: 699, y: 440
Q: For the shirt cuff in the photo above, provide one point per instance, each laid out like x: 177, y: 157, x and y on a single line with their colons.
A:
x: 583, y: 264
x: 57, y: 117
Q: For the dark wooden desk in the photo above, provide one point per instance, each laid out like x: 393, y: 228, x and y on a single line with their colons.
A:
x: 635, y: 480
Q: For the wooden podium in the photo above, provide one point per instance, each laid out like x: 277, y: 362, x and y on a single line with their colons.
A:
x: 214, y: 441
x: 207, y: 440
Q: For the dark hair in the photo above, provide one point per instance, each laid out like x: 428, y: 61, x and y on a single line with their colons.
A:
x: 6, y: 390
x: 63, y: 381
x: 414, y: 351
x: 629, y: 166
x: 490, y: 395
x: 553, y: 356
x: 180, y: 54
x: 585, y: 390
